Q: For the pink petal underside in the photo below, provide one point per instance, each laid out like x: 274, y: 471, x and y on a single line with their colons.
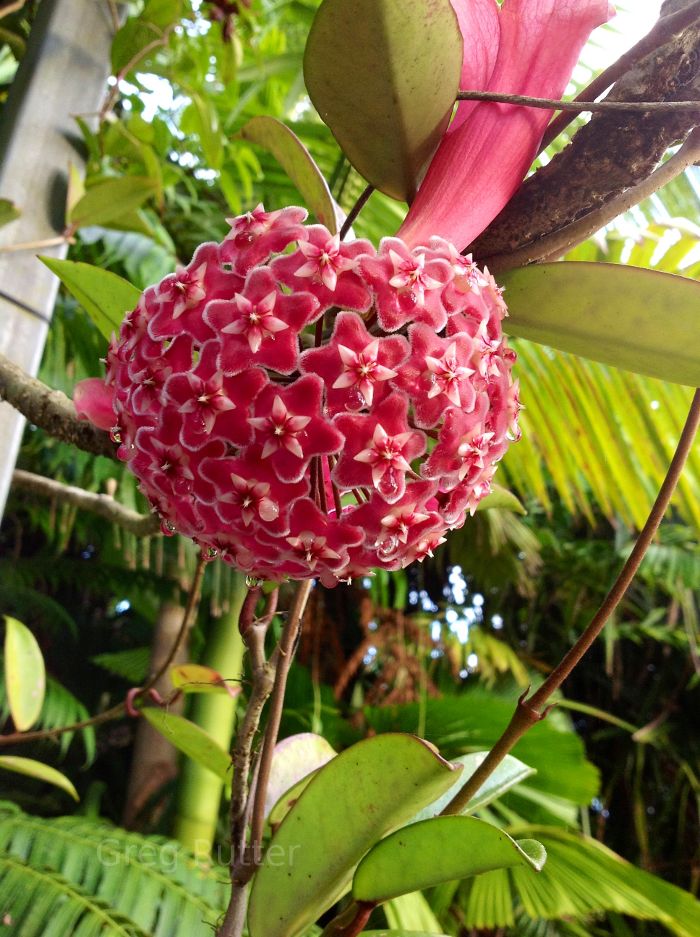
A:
x: 93, y: 401
x: 485, y: 155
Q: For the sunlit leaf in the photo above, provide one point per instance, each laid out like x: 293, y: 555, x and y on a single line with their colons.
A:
x: 384, y: 76
x: 25, y: 674
x: 369, y: 789
x: 105, y: 296
x: 500, y: 499
x: 196, y: 678
x: 35, y: 769
x: 636, y: 319
x: 190, y: 740
x: 439, y: 850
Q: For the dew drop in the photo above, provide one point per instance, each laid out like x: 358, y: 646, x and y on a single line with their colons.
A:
x: 168, y: 528
x: 243, y: 239
x: 252, y: 581
x: 115, y: 434
x: 212, y: 553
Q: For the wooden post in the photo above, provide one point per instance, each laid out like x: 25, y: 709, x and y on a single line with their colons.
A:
x: 63, y: 74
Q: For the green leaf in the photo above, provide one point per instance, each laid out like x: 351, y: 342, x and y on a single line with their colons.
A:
x: 8, y: 211
x: 636, y: 319
x: 500, y: 499
x: 25, y: 674
x: 196, y: 678
x: 201, y: 120
x: 295, y: 759
x: 113, y: 198
x: 105, y: 296
x: 510, y: 772
x: 440, y: 850
x: 36, y: 769
x: 369, y: 789
x: 190, y: 740
x: 297, y: 162
x: 398, y: 933
x: 384, y: 77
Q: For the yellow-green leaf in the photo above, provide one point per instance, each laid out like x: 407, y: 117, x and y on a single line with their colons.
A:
x: 25, y: 675
x: 190, y: 740
x: 105, y: 296
x: 440, y: 850
x: 8, y: 211
x: 369, y: 789
x: 500, y: 499
x: 110, y: 199
x: 36, y: 769
x: 196, y: 678
x: 384, y: 76
x: 297, y: 162
x: 632, y: 318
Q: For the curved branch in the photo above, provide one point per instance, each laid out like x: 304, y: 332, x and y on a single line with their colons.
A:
x: 51, y: 410
x: 142, y: 525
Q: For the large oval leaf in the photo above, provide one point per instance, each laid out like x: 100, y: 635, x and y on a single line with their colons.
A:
x: 25, y: 674
x: 384, y: 76
x: 297, y: 162
x: 110, y: 199
x: 636, y: 319
x: 190, y: 740
x: 440, y: 850
x: 359, y: 796
x: 36, y: 769
x: 105, y: 296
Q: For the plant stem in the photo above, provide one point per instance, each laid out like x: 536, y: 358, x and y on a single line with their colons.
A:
x: 355, y: 211
x: 351, y: 921
x: 578, y: 106
x: 531, y: 710
x: 662, y: 32
x: 116, y: 712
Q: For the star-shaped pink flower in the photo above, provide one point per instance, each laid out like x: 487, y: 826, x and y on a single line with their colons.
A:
x: 327, y: 268
x: 257, y: 234
x: 379, y: 448
x: 355, y: 366
x: 290, y: 427
x: 408, y: 284
x: 437, y: 374
x: 261, y: 325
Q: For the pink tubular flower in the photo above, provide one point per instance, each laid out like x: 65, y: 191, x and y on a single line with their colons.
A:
x: 311, y: 463
x: 524, y: 47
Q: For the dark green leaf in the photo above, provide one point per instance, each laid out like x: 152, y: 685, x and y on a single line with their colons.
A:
x: 105, y: 296
x: 384, y: 76
x: 436, y: 851
x: 36, y: 769
x: 636, y: 319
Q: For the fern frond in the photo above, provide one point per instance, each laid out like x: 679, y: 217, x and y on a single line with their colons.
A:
x: 151, y: 880
x: 131, y: 664
x: 41, y: 903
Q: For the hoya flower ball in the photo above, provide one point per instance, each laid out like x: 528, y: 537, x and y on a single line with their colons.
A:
x: 307, y: 407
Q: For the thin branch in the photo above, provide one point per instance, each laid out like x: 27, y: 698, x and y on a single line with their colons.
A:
x: 34, y: 245
x: 142, y: 525
x: 559, y: 242
x: 116, y: 712
x: 143, y: 53
x: 662, y: 32
x: 578, y: 106
x: 51, y: 410
x: 355, y: 211
x: 531, y: 710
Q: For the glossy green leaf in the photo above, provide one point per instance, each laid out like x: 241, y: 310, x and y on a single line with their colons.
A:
x: 369, y: 789
x: 25, y: 674
x: 636, y: 319
x: 510, y: 772
x: 195, y: 678
x: 8, y: 211
x: 190, y: 740
x: 105, y: 296
x: 35, y: 769
x: 384, y: 76
x: 297, y: 162
x: 111, y: 199
x: 287, y: 800
x: 500, y: 499
x: 440, y: 850
x: 295, y: 759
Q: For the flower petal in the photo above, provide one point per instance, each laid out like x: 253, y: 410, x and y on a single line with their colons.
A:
x: 93, y: 401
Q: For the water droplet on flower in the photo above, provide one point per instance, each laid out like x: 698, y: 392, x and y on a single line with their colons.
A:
x: 212, y: 553
x: 167, y: 527
x: 115, y: 434
x: 251, y: 582
x: 243, y: 239
x: 182, y: 486
x: 388, y: 484
x: 356, y: 399
x: 387, y: 548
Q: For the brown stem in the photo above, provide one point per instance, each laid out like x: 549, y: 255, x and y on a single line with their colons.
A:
x: 665, y: 29
x: 531, y: 710
x: 559, y: 242
x: 351, y: 921
x: 355, y: 211
x: 113, y: 93
x: 578, y: 107
x: 116, y: 712
x: 51, y: 410
x: 141, y: 525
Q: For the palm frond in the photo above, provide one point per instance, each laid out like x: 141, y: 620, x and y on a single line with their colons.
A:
x: 152, y: 881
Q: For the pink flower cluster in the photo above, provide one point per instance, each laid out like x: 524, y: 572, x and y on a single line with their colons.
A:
x: 295, y: 451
